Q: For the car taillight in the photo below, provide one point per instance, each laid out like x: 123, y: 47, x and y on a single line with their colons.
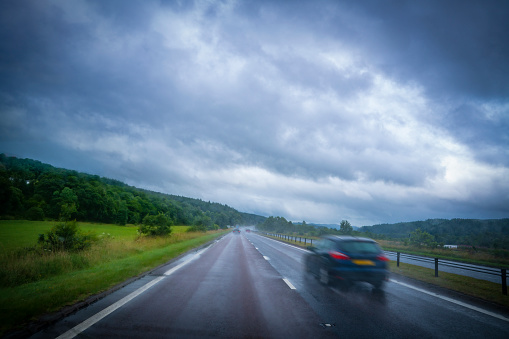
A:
x: 382, y: 258
x: 339, y: 255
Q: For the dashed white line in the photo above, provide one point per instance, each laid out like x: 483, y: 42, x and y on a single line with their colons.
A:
x: 266, y: 258
x: 289, y: 284
x: 457, y: 302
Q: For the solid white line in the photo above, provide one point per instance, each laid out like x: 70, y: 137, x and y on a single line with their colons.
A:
x: 289, y: 284
x: 97, y: 317
x: 286, y: 244
x: 195, y: 256
x: 457, y: 302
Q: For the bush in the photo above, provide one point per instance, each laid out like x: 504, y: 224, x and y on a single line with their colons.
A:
x: 66, y: 236
x: 35, y: 213
x: 156, y: 225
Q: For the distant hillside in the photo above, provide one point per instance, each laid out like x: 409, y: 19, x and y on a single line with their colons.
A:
x: 36, y: 191
x: 484, y: 233
x: 333, y: 226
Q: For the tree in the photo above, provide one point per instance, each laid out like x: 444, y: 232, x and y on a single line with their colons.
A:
x: 69, y: 204
x: 345, y: 227
x: 155, y: 225
x: 419, y: 238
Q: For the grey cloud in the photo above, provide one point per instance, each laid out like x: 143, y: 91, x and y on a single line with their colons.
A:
x: 451, y: 45
x: 360, y: 94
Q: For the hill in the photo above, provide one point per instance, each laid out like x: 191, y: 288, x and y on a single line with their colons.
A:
x: 32, y: 190
x: 492, y: 233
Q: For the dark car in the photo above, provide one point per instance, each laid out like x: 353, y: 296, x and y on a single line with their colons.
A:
x: 347, y: 260
x: 236, y: 231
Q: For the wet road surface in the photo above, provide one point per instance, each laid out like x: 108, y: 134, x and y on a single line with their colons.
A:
x: 249, y: 286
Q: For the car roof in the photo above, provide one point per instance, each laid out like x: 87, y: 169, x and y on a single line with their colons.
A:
x: 348, y: 238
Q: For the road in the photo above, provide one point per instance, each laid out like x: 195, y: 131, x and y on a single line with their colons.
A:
x: 249, y: 286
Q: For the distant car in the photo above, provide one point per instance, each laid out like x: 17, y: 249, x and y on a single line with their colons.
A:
x: 236, y: 231
x: 248, y: 230
x: 347, y: 260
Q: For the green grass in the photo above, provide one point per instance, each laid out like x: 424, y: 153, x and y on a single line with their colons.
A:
x: 482, y: 289
x: 15, y: 234
x: 480, y: 257
x: 46, y: 283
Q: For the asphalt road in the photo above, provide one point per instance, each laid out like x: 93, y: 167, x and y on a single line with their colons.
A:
x: 248, y: 286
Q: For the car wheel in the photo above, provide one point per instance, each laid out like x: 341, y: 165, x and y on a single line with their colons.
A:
x: 324, y: 276
x: 307, y: 265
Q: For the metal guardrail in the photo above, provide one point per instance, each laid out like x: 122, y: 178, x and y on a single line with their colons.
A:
x: 501, y: 272
x: 290, y: 238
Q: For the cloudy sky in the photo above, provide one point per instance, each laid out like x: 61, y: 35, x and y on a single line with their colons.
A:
x: 370, y: 111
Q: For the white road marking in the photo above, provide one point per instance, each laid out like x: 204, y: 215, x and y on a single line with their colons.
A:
x: 289, y: 245
x: 457, y: 302
x: 194, y: 257
x: 289, y: 284
x: 266, y: 258
x: 95, y: 318
x: 98, y: 316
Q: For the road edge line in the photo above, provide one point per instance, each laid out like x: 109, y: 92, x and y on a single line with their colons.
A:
x: 76, y: 330
x: 457, y: 302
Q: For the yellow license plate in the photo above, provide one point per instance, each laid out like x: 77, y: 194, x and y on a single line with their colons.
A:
x: 364, y: 262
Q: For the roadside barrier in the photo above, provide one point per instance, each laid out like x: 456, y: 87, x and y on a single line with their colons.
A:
x: 290, y: 238
x: 501, y: 272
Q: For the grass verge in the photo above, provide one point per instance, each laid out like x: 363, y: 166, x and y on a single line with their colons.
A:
x: 481, y: 289
x: 26, y: 302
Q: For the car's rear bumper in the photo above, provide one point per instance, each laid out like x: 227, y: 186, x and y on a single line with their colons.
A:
x: 372, y: 276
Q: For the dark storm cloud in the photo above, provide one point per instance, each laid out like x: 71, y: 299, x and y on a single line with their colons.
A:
x: 458, y: 46
x: 370, y: 111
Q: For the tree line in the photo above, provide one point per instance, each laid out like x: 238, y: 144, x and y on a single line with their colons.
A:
x: 283, y: 226
x: 490, y: 233
x: 432, y: 233
x: 32, y: 190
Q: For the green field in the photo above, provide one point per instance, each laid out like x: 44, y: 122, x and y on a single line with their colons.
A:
x: 34, y: 283
x: 15, y: 234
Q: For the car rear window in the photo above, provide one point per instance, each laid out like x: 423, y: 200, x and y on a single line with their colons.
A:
x: 364, y: 247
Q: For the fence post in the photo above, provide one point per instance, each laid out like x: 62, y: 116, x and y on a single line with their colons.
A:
x: 398, y: 259
x: 305, y: 241
x: 436, y: 267
x: 504, y: 281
